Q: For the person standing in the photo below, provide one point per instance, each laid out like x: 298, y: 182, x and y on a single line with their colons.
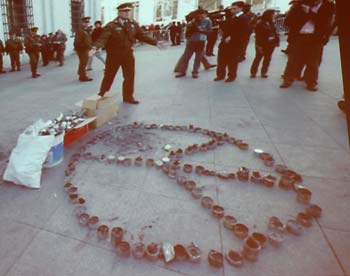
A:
x: 45, y: 51
x: 59, y: 41
x: 178, y: 33
x: 82, y: 45
x: 266, y: 39
x: 235, y: 30
x: 196, y: 33
x: 2, y: 52
x: 173, y: 32
x: 33, y: 46
x: 253, y: 18
x: 14, y: 47
x: 118, y: 37
x: 312, y: 24
x: 96, y: 33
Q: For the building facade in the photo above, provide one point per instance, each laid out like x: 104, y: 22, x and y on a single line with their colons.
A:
x: 48, y: 15
x: 164, y: 11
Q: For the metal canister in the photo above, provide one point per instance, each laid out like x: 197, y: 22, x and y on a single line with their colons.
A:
x: 194, y: 253
x: 234, y: 258
x: 240, y: 230
x: 215, y: 259
x: 251, y: 249
x: 117, y: 234
x: 138, y: 250
x: 122, y: 249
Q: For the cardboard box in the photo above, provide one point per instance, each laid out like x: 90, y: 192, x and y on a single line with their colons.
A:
x: 96, y: 102
x: 102, y: 109
x: 102, y: 115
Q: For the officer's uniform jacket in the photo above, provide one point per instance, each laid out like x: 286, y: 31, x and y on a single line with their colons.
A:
x: 118, y: 37
x: 32, y: 43
x: 14, y: 45
x: 82, y: 41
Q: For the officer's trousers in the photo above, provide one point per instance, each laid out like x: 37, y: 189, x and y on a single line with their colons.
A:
x: 83, y: 60
x: 113, y: 62
x: 227, y: 58
x: 306, y: 49
x: 15, y: 60
x: 33, y: 60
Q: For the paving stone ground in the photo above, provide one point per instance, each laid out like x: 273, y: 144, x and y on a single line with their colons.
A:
x: 39, y: 234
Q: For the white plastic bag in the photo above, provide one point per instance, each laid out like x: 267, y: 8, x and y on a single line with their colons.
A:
x: 28, y: 156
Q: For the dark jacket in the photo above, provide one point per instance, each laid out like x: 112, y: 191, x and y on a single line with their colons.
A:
x: 296, y: 19
x: 59, y: 40
x: 238, y: 29
x: 266, y: 34
x: 118, y: 38
x: 13, y: 45
x: 96, y: 33
x: 82, y: 40
x: 2, y: 48
x: 32, y: 43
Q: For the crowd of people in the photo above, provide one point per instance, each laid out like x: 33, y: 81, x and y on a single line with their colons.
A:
x: 50, y: 47
x: 309, y: 24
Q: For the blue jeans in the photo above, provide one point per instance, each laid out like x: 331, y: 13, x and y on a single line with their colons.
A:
x: 196, y: 47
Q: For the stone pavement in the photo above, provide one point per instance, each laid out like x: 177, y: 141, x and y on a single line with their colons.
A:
x: 305, y: 131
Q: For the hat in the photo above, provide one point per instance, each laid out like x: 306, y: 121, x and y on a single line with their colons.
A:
x: 125, y: 7
x: 34, y: 29
x: 86, y: 19
x: 98, y: 22
x: 239, y: 4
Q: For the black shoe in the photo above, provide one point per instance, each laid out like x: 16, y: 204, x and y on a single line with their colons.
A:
x: 88, y: 69
x: 218, y: 79
x: 195, y: 76
x: 2, y: 72
x: 230, y: 80
x: 131, y: 101
x: 312, y: 87
x: 180, y: 75
x: 210, y: 66
x: 83, y: 79
x: 264, y: 76
x: 12, y: 70
x: 252, y: 76
x: 285, y: 84
x: 18, y: 69
x: 36, y: 75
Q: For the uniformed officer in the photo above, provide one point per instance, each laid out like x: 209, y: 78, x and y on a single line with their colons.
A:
x: 33, y: 45
x: 59, y: 40
x: 2, y: 51
x: 118, y: 38
x: 14, y: 47
x: 82, y: 45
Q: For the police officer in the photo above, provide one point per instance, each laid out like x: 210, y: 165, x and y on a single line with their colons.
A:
x: 59, y: 40
x: 33, y: 45
x: 82, y: 45
x: 118, y: 38
x: 14, y: 47
x: 2, y: 51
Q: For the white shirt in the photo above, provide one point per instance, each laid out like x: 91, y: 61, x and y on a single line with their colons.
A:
x: 309, y: 26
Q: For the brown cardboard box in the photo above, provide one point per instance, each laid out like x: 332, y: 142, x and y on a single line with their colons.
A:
x: 104, y: 109
x: 96, y: 102
x: 102, y: 115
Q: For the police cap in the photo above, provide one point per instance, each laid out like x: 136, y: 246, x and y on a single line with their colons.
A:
x: 239, y: 4
x: 125, y: 7
x: 34, y: 29
x: 86, y: 19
